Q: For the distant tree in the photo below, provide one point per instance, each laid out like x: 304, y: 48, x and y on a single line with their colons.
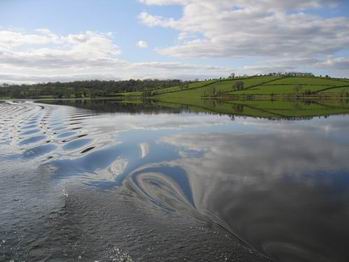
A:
x: 89, y: 88
x: 239, y: 85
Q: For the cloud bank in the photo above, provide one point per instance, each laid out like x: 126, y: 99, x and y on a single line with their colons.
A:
x: 272, y: 29
x: 43, y: 56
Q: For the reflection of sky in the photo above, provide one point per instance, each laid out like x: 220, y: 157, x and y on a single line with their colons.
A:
x: 273, y: 183
x: 188, y: 137
x: 267, y: 186
x: 280, y: 185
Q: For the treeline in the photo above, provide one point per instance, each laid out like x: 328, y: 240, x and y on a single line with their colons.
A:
x: 299, y: 74
x: 82, y: 89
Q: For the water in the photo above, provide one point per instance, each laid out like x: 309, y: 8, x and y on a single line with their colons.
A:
x: 144, y: 183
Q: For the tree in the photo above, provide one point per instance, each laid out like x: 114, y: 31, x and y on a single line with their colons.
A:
x: 239, y: 85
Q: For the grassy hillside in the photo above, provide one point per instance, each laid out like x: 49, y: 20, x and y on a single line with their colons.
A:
x: 255, y: 86
x: 261, y: 96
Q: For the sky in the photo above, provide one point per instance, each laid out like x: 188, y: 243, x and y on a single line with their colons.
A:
x: 67, y: 40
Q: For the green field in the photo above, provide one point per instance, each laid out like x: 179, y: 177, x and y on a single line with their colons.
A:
x: 261, y: 96
x: 257, y: 86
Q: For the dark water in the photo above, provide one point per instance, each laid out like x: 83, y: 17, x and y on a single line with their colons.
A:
x: 169, y: 185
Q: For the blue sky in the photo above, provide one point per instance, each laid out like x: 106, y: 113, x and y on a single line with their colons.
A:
x: 184, y: 38
x: 67, y: 16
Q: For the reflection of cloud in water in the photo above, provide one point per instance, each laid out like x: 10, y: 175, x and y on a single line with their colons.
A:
x: 166, y: 186
x: 263, y: 156
x: 116, y: 169
x: 109, y: 166
x: 144, y: 147
x: 271, y: 183
x: 107, y: 123
x: 274, y: 190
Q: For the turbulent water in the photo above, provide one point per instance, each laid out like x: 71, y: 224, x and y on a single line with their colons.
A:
x: 158, y: 185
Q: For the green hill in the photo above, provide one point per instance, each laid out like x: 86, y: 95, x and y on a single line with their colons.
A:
x: 258, y: 86
x: 260, y: 96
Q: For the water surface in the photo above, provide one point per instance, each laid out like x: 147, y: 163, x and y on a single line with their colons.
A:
x: 166, y: 184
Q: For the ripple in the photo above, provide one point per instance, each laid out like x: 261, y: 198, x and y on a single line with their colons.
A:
x: 66, y: 134
x: 76, y: 144
x: 87, y: 149
x: 32, y: 140
x: 38, y: 151
x: 31, y: 131
x: 29, y: 126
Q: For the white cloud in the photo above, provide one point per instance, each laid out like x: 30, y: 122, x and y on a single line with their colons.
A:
x: 46, y: 49
x: 339, y: 63
x: 42, y: 56
x: 142, y: 44
x: 252, y: 28
x: 272, y: 29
